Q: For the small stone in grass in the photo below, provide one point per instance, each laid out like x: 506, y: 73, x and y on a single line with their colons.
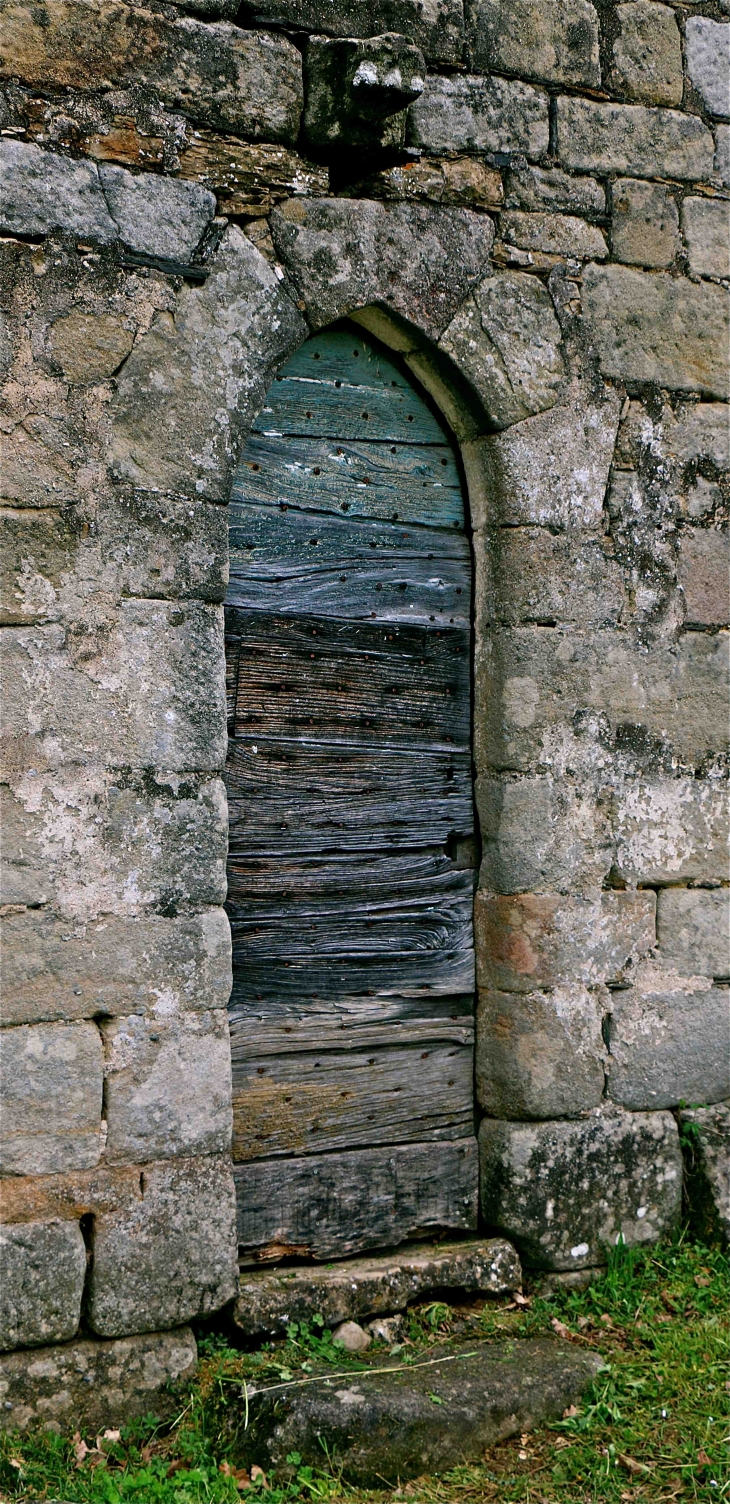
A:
x: 386, y: 1328
x: 352, y: 1337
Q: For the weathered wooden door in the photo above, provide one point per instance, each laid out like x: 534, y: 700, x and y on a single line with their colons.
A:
x: 349, y: 781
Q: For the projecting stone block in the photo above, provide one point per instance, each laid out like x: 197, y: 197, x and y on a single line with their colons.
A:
x: 437, y: 26
x: 693, y: 930
x: 669, y: 1041
x: 168, y: 1086
x: 474, y: 114
x: 646, y: 59
x: 542, y: 833
x: 555, y: 41
x: 92, y: 1385
x: 631, y: 139
x: 706, y: 1137
x: 357, y: 91
x: 169, y: 1257
x: 644, y: 223
x: 51, y: 1093
x: 671, y: 830
x: 156, y: 215
x: 548, y: 188
x: 506, y: 340
x: 540, y: 1054
x: 42, y: 1272
x: 556, y: 234
x: 528, y: 941
x: 704, y: 575
x: 708, y: 62
x: 565, y: 1192
x: 41, y: 192
x: 660, y: 329
x: 706, y: 225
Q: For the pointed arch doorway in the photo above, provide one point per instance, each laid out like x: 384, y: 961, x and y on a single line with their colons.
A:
x: 351, y: 870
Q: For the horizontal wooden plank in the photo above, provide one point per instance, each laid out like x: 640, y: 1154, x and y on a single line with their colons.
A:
x: 329, y: 1205
x: 318, y: 1025
x: 292, y: 797
x: 396, y: 483
x: 362, y: 681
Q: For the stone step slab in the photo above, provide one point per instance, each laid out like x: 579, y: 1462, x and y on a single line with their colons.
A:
x: 353, y: 1289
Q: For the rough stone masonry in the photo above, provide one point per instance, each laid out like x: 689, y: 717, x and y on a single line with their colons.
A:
x: 539, y: 224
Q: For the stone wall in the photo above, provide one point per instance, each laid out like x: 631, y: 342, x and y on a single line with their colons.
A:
x: 539, y: 225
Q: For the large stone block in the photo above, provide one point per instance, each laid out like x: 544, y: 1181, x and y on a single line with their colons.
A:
x: 669, y: 1041
x: 555, y: 42
x: 161, y: 546
x: 632, y: 139
x: 437, y: 26
x: 475, y: 114
x: 646, y: 58
x: 52, y: 1093
x: 54, y: 971
x: 42, y: 1273
x: 657, y: 328
x: 704, y: 574
x: 171, y: 1256
x: 565, y: 1192
x: 543, y: 834
x: 41, y: 192
x: 91, y: 1386
x: 529, y: 187
x: 527, y: 941
x: 670, y: 829
x: 532, y: 575
x: 708, y: 62
x: 644, y: 223
x: 155, y: 215
x: 693, y: 930
x: 706, y: 1140
x: 540, y: 1054
x: 343, y: 254
x: 191, y: 385
x: 506, y: 340
x: 706, y: 225
x: 167, y: 1086
x: 555, y: 234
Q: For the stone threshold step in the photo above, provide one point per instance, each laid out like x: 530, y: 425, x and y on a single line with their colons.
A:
x: 352, y: 1289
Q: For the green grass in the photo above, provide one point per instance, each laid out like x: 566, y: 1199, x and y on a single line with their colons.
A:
x: 653, y: 1427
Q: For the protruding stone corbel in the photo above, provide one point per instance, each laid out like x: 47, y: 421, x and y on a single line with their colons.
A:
x: 357, y: 92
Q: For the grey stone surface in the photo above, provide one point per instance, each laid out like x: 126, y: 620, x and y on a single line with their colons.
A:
x: 386, y: 1426
x: 465, y: 182
x: 353, y: 1289
x: 24, y: 875
x: 532, y: 575
x: 41, y: 192
x: 549, y: 188
x: 51, y: 1092
x: 42, y: 1272
x: 708, y: 62
x: 646, y: 58
x: 476, y: 114
x: 357, y: 91
x: 563, y: 1192
x: 170, y: 1256
x: 540, y: 1054
x: 91, y: 347
x: 693, y: 930
x: 343, y: 254
x: 670, y: 830
x: 555, y: 41
x: 352, y: 1337
x: 644, y: 223
x: 722, y: 154
x: 54, y: 970
x: 156, y: 215
x: 542, y: 834
x: 506, y: 340
x: 437, y: 26
x: 706, y: 1135
x: 669, y: 1041
x: 91, y: 1385
x: 149, y: 1114
x: 658, y: 328
x: 703, y: 572
x: 706, y: 226
x: 632, y: 139
x: 529, y: 940
x: 558, y: 234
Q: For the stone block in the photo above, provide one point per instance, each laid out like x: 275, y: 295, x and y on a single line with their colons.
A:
x: 551, y: 470
x: 436, y: 26
x: 543, y: 834
x: 353, y: 1289
x: 69, y: 1195
x: 722, y: 154
x: 551, y: 189
x: 52, y: 1094
x: 469, y: 113
x: 671, y: 829
x: 669, y: 1041
x: 41, y: 192
x: 540, y: 1054
x: 53, y: 970
x: 556, y: 234
x: 42, y: 1273
x: 91, y: 347
x: 161, y: 546
x: 24, y: 875
x: 706, y: 226
x: 465, y: 182
x: 146, y: 1060
x: 91, y: 1386
x: 555, y: 42
x: 646, y: 58
x: 644, y: 223
x: 506, y: 340
x: 703, y: 572
x: 693, y: 930
x: 249, y: 179
x: 527, y: 941
x: 708, y: 62
x: 155, y: 215
x: 171, y: 1256
x: 357, y: 91
x: 658, y: 329
x: 344, y: 253
x: 537, y: 576
x: 565, y: 1192
x: 633, y: 140
x: 706, y: 1139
